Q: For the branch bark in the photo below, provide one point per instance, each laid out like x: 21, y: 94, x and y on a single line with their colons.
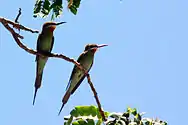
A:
x: 96, y: 97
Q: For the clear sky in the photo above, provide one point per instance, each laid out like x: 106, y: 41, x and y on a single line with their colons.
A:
x: 145, y: 65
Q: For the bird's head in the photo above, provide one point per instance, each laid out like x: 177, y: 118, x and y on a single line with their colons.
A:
x: 50, y: 26
x: 94, y: 47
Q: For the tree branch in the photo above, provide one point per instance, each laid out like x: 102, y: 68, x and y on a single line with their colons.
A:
x: 70, y: 3
x: 16, y: 37
x: 16, y: 25
x: 96, y: 97
x: 19, y: 13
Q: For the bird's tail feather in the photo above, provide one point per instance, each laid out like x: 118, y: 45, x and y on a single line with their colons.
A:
x: 64, y: 101
x: 38, y: 81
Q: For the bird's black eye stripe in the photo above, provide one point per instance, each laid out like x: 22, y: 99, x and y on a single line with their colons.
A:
x: 90, y: 46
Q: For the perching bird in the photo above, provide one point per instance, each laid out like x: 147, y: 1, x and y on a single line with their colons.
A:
x: 77, y: 76
x: 44, y: 45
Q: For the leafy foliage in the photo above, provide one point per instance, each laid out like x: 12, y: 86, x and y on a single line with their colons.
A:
x: 74, y: 6
x: 44, y: 7
x: 90, y: 115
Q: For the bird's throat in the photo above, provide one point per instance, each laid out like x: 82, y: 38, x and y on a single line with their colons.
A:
x: 52, y: 28
x: 94, y: 50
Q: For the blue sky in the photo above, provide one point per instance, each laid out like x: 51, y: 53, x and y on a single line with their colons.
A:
x: 145, y: 65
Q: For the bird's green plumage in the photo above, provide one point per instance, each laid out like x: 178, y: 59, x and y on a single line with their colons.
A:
x: 86, y: 61
x: 77, y: 76
x: 44, y: 45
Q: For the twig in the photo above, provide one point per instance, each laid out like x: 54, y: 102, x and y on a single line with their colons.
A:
x: 16, y: 25
x: 96, y: 97
x: 19, y: 13
x: 16, y: 37
x: 14, y: 34
x: 70, y: 3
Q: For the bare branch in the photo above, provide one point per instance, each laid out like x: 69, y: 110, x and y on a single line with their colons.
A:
x: 96, y: 97
x: 16, y: 25
x: 19, y: 13
x: 12, y: 31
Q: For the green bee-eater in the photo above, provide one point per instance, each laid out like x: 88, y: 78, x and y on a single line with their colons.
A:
x: 77, y: 76
x: 44, y: 45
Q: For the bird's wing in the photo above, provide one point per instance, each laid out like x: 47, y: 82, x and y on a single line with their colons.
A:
x: 80, y: 81
x: 74, y: 70
x: 38, y: 45
x: 52, y: 44
x: 70, y: 80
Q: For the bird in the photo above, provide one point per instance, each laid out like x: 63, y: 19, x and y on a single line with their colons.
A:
x: 45, y: 44
x: 77, y: 76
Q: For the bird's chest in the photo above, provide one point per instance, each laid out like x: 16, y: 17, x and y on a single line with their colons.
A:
x: 87, y: 64
x: 79, y: 74
x: 46, y: 44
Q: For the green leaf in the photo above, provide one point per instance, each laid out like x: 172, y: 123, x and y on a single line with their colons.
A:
x: 57, y: 9
x: 38, y: 5
x: 126, y: 114
x: 93, y: 110
x: 69, y: 121
x: 138, y: 116
x: 34, y: 16
x: 134, y: 111
x: 76, y: 3
x: 90, y: 122
x: 82, y: 122
x: 58, y: 2
x: 106, y: 114
x: 116, y: 116
x: 86, y: 110
x: 46, y: 5
x: 73, y: 9
x: 75, y: 123
x: 99, y: 122
x: 148, y: 123
x: 43, y: 8
x: 129, y: 110
x: 121, y: 122
x: 99, y: 114
x: 79, y: 109
x: 74, y: 113
x: 123, y: 119
x: 165, y: 123
x: 46, y: 8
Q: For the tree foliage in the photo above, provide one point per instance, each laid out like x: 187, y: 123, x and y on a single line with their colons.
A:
x: 44, y: 7
x: 90, y: 115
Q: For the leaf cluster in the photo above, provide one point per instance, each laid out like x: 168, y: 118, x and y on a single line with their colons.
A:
x: 89, y: 115
x: 44, y: 7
